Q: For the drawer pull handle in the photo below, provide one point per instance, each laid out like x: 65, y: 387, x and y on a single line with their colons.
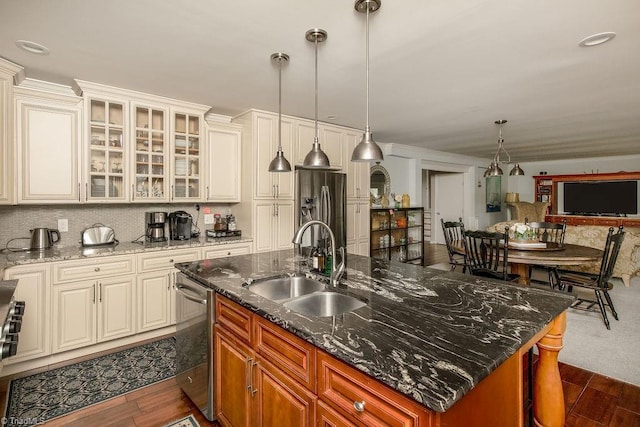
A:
x: 96, y: 269
x: 359, y: 406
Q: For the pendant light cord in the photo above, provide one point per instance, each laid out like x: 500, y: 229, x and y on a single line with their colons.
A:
x: 316, y: 137
x: 367, y: 66
x: 280, y: 105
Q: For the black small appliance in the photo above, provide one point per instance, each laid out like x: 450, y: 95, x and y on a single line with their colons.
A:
x: 180, y: 225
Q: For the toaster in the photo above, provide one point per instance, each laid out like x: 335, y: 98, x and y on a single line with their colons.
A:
x: 97, y: 235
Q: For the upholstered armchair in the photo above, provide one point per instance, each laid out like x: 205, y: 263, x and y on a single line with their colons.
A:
x: 533, y: 212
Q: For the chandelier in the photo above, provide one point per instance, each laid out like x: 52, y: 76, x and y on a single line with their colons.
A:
x: 494, y: 168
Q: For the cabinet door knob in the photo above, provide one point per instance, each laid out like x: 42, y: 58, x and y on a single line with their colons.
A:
x: 171, y: 260
x: 359, y: 406
x: 96, y: 269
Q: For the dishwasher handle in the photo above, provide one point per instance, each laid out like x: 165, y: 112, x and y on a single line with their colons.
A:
x: 181, y: 288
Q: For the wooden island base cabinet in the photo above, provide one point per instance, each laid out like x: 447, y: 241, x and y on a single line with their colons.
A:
x: 266, y: 376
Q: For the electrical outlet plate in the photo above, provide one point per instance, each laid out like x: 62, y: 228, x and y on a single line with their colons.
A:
x: 63, y: 225
x: 208, y: 218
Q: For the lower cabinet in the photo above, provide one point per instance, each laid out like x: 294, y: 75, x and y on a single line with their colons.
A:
x: 233, y: 362
x: 156, y: 296
x: 34, y: 288
x: 327, y: 417
x: 156, y: 300
x: 250, y: 389
x: 266, y: 376
x: 89, y: 312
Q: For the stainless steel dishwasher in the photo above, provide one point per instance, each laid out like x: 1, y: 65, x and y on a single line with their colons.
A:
x: 195, y: 309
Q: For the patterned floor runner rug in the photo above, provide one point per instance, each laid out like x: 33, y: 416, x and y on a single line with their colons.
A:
x: 188, y: 421
x: 47, y: 395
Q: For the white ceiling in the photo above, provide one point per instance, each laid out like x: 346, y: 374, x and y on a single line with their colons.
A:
x: 442, y: 71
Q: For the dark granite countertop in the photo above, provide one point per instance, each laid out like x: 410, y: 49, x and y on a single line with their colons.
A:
x: 430, y: 334
x: 9, y: 258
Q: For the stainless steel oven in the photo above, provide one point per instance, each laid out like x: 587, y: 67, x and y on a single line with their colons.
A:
x: 11, y: 311
x: 195, y: 307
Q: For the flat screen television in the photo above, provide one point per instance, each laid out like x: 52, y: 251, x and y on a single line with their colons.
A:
x: 599, y: 198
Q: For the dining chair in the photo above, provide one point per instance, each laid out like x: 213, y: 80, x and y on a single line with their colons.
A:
x: 454, y: 232
x: 599, y: 283
x: 487, y: 254
x: 552, y: 233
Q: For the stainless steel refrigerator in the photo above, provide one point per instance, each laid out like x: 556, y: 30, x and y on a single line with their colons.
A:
x: 321, y: 195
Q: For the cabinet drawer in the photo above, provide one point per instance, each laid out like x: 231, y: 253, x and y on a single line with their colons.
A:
x: 94, y: 268
x: 226, y: 250
x: 234, y: 318
x: 289, y: 353
x: 166, y: 259
x: 344, y: 388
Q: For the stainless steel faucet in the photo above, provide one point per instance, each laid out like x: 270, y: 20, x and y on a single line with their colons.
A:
x: 336, y: 270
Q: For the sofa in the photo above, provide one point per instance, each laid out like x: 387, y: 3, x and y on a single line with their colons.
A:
x: 595, y: 236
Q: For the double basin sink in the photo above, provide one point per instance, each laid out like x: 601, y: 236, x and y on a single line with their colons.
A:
x: 304, y: 295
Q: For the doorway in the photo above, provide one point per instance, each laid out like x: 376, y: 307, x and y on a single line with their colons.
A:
x: 447, y: 200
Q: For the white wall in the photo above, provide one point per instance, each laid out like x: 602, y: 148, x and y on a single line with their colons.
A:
x: 405, y: 165
x: 524, y: 184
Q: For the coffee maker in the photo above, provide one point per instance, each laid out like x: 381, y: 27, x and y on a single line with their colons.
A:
x: 180, y: 225
x: 155, y: 226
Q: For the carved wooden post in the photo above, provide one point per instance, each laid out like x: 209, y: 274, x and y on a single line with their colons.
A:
x: 548, y: 399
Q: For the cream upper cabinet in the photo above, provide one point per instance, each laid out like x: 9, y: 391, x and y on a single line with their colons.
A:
x: 8, y: 71
x: 259, y: 146
x: 305, y: 132
x: 273, y: 225
x: 331, y: 141
x: 107, y: 148
x: 48, y: 134
x: 34, y: 288
x: 187, y: 151
x: 224, y: 155
x: 329, y: 136
x: 150, y: 153
x: 358, y: 227
x: 141, y: 148
x: 357, y: 172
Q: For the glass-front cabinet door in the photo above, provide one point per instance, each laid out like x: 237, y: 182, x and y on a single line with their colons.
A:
x: 106, y: 177
x: 150, y: 164
x: 186, y: 156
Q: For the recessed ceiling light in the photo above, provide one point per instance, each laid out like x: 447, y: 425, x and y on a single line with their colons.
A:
x: 596, y: 39
x: 32, y: 47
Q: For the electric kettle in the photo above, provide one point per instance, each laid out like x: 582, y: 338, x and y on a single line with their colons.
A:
x: 43, y: 238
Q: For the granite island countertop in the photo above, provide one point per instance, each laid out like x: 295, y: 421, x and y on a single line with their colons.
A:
x: 10, y: 258
x: 432, y: 335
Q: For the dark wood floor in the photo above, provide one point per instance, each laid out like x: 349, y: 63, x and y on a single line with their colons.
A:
x: 591, y: 400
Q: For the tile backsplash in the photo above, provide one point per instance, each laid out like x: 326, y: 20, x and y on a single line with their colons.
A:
x: 127, y: 220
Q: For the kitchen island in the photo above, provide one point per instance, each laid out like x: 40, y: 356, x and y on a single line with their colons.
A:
x: 428, y: 335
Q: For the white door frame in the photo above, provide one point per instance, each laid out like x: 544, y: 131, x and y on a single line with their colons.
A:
x: 468, y: 191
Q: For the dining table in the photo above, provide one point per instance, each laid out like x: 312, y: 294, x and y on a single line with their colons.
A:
x: 521, y: 258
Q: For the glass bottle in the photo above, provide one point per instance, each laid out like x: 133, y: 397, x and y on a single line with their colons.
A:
x: 402, y: 254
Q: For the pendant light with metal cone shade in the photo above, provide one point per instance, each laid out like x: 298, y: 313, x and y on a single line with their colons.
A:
x: 367, y: 150
x: 279, y: 163
x: 316, y: 158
